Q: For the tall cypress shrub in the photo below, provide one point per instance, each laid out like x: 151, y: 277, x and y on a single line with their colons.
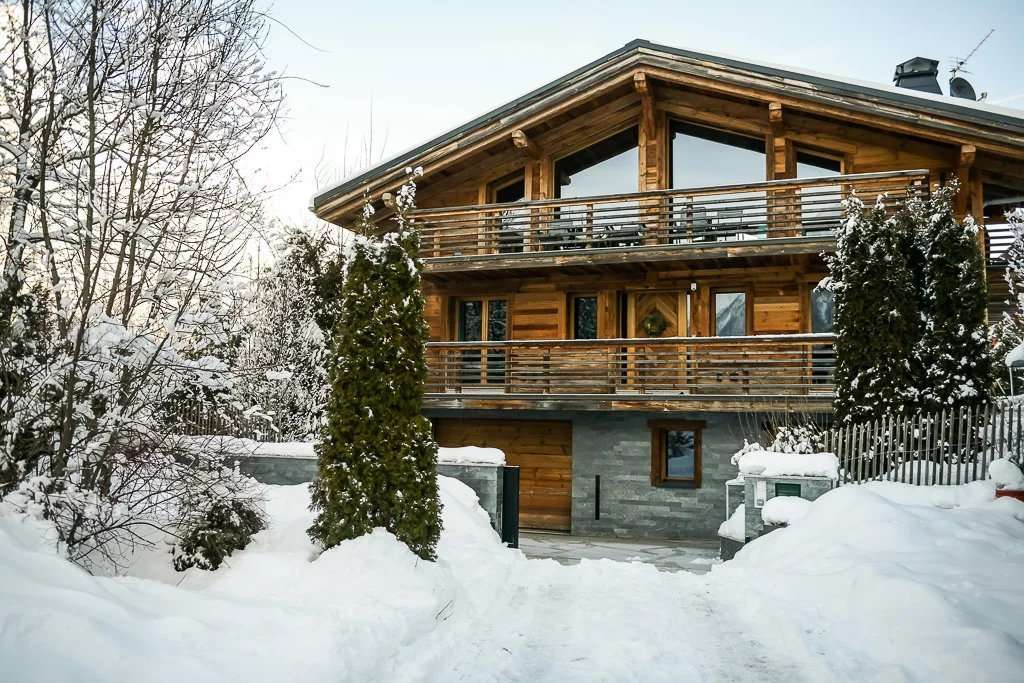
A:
x: 877, y: 311
x: 954, y: 351
x: 377, y: 456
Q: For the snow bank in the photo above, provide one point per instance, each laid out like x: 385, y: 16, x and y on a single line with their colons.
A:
x: 769, y: 464
x: 784, y: 509
x: 470, y: 455
x: 1005, y: 474
x: 735, y: 528
x: 273, y: 614
x: 892, y: 586
x: 466, y: 455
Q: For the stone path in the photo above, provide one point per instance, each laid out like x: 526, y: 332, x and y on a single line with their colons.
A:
x: 694, y: 556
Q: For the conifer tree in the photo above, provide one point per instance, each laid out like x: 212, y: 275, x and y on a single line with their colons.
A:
x: 954, y: 349
x: 877, y: 311
x: 377, y: 457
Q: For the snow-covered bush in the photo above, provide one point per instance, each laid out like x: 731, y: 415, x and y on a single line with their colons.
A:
x: 282, y: 367
x: 225, y: 526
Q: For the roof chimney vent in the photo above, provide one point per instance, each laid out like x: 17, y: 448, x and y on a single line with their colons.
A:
x: 919, y: 73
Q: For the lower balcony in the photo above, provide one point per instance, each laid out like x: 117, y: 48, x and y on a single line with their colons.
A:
x: 782, y: 372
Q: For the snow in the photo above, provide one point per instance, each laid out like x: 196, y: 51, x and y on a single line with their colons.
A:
x: 465, y: 455
x: 784, y: 509
x: 863, y: 587
x: 1015, y: 356
x: 470, y: 455
x: 735, y: 528
x: 762, y: 463
x: 1005, y: 474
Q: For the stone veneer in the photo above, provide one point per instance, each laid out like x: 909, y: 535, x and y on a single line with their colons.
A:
x: 617, y: 446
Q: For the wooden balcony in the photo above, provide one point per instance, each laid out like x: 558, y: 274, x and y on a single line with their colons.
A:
x: 777, y: 217
x: 681, y: 373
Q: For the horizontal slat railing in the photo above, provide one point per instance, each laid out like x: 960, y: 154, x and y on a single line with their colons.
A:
x: 781, y: 365
x: 775, y: 209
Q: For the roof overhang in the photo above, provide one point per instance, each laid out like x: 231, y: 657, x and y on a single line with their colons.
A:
x: 998, y: 129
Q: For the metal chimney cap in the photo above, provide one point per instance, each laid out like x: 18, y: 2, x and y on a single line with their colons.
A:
x: 918, y: 66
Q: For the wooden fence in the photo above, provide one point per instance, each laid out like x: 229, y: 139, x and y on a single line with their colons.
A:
x: 195, y: 418
x: 951, y: 446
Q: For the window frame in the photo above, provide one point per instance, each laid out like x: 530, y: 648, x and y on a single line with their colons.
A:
x: 573, y: 296
x: 659, y: 433
x: 555, y: 187
x: 748, y: 310
x: 670, y: 155
x: 485, y: 310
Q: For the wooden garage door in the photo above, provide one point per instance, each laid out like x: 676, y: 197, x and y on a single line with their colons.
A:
x: 543, y: 451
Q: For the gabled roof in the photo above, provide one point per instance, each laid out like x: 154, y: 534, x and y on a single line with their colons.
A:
x: 637, y: 53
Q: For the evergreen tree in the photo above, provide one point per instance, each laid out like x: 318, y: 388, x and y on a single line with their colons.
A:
x: 877, y: 311
x: 954, y: 348
x: 377, y: 457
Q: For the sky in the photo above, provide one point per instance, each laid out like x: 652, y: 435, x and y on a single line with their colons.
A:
x: 397, y: 73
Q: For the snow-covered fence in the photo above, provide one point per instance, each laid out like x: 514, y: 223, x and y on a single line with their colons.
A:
x: 951, y: 446
x: 195, y: 418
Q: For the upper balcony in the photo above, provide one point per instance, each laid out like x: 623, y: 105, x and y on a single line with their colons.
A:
x: 778, y: 217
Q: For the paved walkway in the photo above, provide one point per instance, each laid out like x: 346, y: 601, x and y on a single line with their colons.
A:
x: 694, y: 556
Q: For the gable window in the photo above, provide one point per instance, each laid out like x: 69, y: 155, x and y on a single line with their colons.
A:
x: 703, y: 156
x: 611, y: 166
x: 675, y: 453
x: 730, y: 314
x: 584, y: 317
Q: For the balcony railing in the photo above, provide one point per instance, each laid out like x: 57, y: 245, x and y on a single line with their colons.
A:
x: 664, y: 218
x: 766, y: 366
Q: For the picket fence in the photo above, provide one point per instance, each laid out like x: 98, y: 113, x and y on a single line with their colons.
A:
x: 195, y: 418
x: 951, y: 446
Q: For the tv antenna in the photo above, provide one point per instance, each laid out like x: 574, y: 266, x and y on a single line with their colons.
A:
x: 959, y: 66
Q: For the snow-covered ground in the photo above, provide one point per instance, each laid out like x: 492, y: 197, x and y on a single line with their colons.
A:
x: 876, y: 582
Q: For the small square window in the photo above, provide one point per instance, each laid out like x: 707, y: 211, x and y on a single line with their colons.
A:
x: 675, y: 453
x: 784, y: 489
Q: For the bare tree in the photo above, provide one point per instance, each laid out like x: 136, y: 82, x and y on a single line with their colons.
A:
x: 124, y: 123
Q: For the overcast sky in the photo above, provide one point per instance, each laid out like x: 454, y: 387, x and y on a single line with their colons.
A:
x: 425, y: 67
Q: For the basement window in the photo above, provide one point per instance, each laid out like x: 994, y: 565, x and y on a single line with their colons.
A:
x: 676, y: 453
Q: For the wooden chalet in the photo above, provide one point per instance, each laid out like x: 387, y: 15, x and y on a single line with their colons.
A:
x: 621, y: 266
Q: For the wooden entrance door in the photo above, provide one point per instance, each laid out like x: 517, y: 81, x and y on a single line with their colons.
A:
x: 542, y: 449
x: 658, y: 367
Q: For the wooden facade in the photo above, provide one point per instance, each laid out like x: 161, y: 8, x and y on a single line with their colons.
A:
x: 657, y: 250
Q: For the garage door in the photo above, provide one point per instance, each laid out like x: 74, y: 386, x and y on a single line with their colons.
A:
x: 543, y: 451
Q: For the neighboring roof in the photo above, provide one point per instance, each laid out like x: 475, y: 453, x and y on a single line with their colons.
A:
x: 1012, y: 120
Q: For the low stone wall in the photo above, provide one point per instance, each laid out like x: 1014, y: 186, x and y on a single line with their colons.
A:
x: 486, y: 480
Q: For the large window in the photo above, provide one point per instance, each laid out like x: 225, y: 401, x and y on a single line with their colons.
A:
x: 703, y: 156
x: 482, y: 320
x: 675, y: 453
x: 584, y: 317
x: 730, y: 314
x: 607, y: 167
x: 820, y: 206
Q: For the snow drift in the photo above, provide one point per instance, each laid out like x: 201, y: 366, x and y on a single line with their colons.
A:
x: 874, y: 582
